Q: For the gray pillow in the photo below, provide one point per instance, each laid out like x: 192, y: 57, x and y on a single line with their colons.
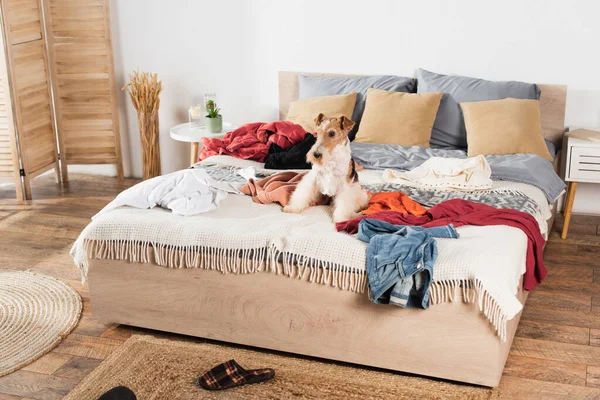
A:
x: 449, y: 127
x: 551, y: 148
x: 314, y: 86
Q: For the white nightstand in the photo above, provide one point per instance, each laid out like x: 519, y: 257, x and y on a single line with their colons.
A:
x: 582, y: 165
x: 193, y: 135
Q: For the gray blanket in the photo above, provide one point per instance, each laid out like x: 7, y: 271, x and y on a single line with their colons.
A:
x: 526, y: 168
x: 496, y: 198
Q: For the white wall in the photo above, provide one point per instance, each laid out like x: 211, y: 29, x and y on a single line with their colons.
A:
x: 235, y: 49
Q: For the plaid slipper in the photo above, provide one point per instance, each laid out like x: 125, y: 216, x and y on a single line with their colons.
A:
x: 230, y: 374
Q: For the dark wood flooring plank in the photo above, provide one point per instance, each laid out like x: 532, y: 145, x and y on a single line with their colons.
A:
x: 544, y: 370
x: 593, y: 376
x: 36, y: 386
x: 58, y: 226
x: 553, y: 332
x: 574, y: 301
x: 596, y: 303
x: 568, y: 272
x: 589, y: 250
x: 87, y: 346
x: 48, y: 363
x: 90, y: 326
x: 577, y: 228
x: 584, y: 219
x: 595, y: 337
x: 585, y: 319
x: 574, y: 238
x: 122, y: 332
x: 561, y: 249
x: 573, y: 260
x: 77, y: 368
x: 31, y: 245
x: 560, y: 284
x: 553, y: 351
x: 515, y: 388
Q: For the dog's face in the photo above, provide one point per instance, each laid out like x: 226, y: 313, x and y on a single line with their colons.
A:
x: 330, y: 132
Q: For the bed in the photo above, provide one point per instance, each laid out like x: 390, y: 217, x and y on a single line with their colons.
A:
x: 453, y: 339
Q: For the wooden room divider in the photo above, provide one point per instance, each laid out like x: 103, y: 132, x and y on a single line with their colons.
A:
x: 58, y: 94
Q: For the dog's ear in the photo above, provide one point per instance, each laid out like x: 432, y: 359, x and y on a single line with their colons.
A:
x: 319, y: 118
x: 346, y: 123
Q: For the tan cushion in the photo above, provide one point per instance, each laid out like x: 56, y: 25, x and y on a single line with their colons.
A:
x: 303, y: 112
x: 398, y: 118
x: 508, y: 126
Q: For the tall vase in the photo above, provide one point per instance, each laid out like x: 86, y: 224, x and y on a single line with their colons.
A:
x: 148, y: 123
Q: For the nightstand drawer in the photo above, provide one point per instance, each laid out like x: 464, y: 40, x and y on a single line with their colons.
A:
x: 585, y: 164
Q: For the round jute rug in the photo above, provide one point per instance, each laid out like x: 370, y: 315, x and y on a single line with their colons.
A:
x: 36, y: 313
x: 157, y: 369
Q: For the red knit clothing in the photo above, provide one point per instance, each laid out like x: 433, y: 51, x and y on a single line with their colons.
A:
x: 462, y: 212
x: 252, y: 141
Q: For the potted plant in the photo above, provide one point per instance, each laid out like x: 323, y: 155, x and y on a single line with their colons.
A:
x: 214, y: 120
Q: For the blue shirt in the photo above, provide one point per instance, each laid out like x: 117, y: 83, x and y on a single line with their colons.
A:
x: 400, y: 261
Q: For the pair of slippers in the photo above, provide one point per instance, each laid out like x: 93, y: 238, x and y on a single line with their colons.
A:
x: 227, y: 375
x: 230, y: 374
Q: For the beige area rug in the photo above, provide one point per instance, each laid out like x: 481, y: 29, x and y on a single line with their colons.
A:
x: 166, y: 369
x: 36, y: 313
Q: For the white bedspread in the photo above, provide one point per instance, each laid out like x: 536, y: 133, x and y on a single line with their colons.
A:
x: 244, y: 237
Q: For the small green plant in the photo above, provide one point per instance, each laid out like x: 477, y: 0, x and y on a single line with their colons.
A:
x: 212, y: 111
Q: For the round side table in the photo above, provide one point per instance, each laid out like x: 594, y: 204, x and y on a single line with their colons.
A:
x: 193, y: 135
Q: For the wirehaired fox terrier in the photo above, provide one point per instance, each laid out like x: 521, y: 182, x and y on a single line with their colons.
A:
x: 333, y: 172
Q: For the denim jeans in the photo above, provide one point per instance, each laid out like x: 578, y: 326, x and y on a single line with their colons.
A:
x: 400, y: 261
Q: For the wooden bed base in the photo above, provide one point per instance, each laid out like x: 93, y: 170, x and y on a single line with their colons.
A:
x: 451, y: 340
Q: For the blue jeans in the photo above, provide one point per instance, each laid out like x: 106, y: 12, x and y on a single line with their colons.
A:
x: 400, y: 261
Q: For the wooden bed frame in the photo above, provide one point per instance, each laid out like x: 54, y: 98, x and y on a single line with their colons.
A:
x: 450, y: 340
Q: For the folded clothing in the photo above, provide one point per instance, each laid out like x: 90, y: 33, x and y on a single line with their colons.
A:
x: 400, y: 261
x: 472, y: 173
x: 293, y: 157
x: 462, y: 212
x: 252, y: 141
x: 277, y: 188
x: 393, y: 201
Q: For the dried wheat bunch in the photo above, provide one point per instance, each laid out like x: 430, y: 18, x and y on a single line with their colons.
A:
x: 144, y: 89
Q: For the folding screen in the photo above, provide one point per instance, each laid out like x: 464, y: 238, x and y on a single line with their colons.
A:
x: 83, y: 80
x: 30, y: 95
x: 68, y: 74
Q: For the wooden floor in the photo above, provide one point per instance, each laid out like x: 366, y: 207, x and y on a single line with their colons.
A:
x: 555, y: 355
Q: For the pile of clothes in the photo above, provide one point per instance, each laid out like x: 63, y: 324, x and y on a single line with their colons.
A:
x: 279, y: 144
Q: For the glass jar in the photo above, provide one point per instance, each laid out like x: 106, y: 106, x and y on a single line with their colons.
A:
x: 209, y: 96
x: 196, y: 115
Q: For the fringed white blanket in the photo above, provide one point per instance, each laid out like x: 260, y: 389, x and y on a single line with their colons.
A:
x: 484, y: 266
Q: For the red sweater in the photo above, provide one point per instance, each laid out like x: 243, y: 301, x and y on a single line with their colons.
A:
x: 462, y: 212
x: 252, y: 141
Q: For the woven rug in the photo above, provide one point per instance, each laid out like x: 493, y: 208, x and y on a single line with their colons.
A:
x: 167, y: 369
x: 36, y: 313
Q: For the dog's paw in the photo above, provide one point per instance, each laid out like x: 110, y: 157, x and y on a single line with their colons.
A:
x: 291, y: 210
x: 344, y: 217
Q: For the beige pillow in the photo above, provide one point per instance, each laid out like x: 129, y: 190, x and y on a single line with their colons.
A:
x: 507, y: 126
x: 303, y: 112
x: 398, y: 118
